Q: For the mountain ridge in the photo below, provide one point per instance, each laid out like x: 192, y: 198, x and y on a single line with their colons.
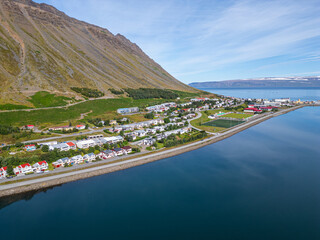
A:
x: 268, y: 82
x: 42, y: 48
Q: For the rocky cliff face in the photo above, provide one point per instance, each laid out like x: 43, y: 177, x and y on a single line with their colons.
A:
x: 42, y: 48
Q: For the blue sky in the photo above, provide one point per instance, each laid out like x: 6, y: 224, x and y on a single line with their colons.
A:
x: 208, y: 40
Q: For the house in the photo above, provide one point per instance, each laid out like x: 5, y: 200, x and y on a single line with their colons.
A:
x: 3, y: 172
x: 128, y: 149
x: 76, y: 159
x: 23, y: 169
x: 89, y: 157
x: 127, y: 110
x: 151, y: 131
x: 252, y: 110
x: 40, y: 166
x: 61, y: 128
x: 71, y: 145
x: 113, y: 122
x: 118, y: 151
x: 141, y: 133
x: 114, y: 139
x: 60, y: 163
x: 29, y: 127
x: 61, y: 147
x: 48, y: 143
x: 30, y: 148
x: 149, y: 141
x: 106, y: 154
x: 85, y: 144
x: 80, y: 127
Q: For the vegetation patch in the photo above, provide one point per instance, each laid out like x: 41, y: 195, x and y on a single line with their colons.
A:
x: 238, y: 115
x: 223, y: 123
x: 13, y: 107
x: 45, y: 99
x: 115, y: 91
x: 88, y: 92
x: 147, y: 93
x: 96, y: 108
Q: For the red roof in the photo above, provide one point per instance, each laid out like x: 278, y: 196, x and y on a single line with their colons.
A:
x: 126, y: 147
x: 42, y: 162
x: 3, y: 169
x: 71, y: 144
x: 24, y: 165
x: 30, y: 125
x: 253, y: 109
x: 80, y: 125
x: 31, y: 145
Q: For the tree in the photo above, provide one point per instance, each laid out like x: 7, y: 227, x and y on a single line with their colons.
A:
x: 149, y: 115
x: 10, y: 170
x: 45, y: 148
x: 166, y: 120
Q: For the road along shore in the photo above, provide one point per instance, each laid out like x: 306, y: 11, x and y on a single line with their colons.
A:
x: 50, y: 181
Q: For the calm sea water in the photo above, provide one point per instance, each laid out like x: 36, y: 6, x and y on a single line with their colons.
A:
x: 262, y: 183
x: 270, y: 93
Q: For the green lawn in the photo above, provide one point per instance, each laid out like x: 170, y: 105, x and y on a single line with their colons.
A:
x: 93, y: 108
x: 204, y: 118
x: 45, y: 99
x: 223, y: 123
x: 12, y: 107
x: 238, y: 115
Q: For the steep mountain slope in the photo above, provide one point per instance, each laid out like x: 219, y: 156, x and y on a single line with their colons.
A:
x: 42, y: 48
x: 272, y: 82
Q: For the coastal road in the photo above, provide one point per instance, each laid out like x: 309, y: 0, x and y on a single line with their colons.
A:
x: 174, y: 150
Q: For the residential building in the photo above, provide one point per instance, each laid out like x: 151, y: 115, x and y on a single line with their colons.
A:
x: 80, y: 127
x: 128, y: 149
x: 61, y: 147
x: 148, y: 141
x: 3, y: 172
x: 85, y: 144
x: 128, y: 110
x: 23, y: 169
x: 40, y: 166
x: 89, y: 157
x: 106, y: 154
x: 30, y: 148
x: 118, y: 151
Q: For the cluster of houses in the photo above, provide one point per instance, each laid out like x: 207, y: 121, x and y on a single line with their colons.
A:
x: 79, y: 159
x: 91, y: 141
x: 138, y: 125
x: 128, y: 110
x: 25, y: 169
x: 67, y: 128
x: 161, y: 107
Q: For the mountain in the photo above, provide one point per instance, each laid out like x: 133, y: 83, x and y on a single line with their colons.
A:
x: 42, y: 48
x: 271, y: 82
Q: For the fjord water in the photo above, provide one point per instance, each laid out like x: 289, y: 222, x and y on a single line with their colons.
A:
x: 310, y: 94
x: 262, y: 183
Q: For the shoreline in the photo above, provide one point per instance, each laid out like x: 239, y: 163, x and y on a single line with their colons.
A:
x: 59, y: 179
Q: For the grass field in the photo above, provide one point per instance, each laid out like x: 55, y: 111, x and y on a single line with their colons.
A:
x: 94, y: 108
x: 12, y: 107
x: 45, y: 99
x: 223, y: 123
x: 238, y: 115
x: 204, y: 118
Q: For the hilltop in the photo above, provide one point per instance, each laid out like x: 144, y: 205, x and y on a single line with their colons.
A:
x: 43, y: 49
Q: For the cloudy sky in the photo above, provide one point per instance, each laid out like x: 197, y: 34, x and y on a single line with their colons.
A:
x: 205, y: 40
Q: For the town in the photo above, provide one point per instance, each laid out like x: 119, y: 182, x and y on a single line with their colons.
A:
x: 170, y: 124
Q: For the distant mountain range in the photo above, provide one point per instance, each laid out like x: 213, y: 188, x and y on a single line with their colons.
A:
x: 268, y: 82
x: 42, y: 48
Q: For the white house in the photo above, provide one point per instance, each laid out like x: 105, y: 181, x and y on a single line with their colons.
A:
x: 61, y: 147
x: 80, y: 127
x: 149, y: 141
x: 106, y: 154
x: 141, y: 133
x: 118, y: 151
x: 40, y: 166
x: 23, y: 169
x: 89, y: 157
x: 77, y: 159
x: 3, y: 172
x: 85, y: 143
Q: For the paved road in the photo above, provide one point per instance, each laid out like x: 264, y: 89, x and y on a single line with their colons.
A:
x: 235, y: 129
